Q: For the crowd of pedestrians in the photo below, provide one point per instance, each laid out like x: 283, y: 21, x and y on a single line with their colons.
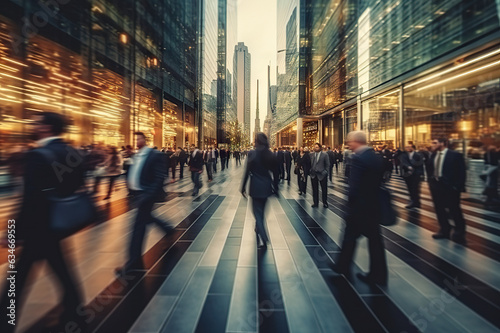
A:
x: 53, y: 168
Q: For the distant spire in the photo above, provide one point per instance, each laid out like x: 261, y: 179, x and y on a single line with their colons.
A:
x: 257, y: 120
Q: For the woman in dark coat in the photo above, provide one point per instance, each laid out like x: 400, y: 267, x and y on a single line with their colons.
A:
x: 261, y: 168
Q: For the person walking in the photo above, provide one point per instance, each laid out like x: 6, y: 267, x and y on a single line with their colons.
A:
x: 287, y: 157
x: 412, y: 170
x: 364, y: 212
x: 196, y: 168
x: 320, y: 165
x: 52, y: 169
x: 303, y: 168
x: 113, y: 167
x: 223, y: 157
x: 182, y: 156
x: 146, y: 181
x: 262, y: 169
x: 331, y: 157
x: 447, y: 181
x: 208, y: 158
x: 281, y: 162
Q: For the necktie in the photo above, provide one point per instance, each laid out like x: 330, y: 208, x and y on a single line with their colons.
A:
x: 438, y: 165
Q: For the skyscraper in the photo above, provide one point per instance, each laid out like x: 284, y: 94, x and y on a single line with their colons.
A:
x: 242, y: 63
x: 257, y: 120
x: 269, y: 115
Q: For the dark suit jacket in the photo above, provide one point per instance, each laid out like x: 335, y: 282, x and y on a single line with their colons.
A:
x: 454, y: 173
x: 320, y: 168
x: 43, y: 177
x: 260, y: 164
x: 223, y: 153
x: 153, y: 174
x: 331, y: 156
x: 280, y: 155
x: 287, y: 156
x: 416, y: 162
x: 196, y: 163
x: 367, y: 169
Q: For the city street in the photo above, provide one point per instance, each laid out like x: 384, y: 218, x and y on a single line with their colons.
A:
x: 208, y: 276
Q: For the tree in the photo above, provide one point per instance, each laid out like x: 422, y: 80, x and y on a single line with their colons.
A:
x: 235, y: 136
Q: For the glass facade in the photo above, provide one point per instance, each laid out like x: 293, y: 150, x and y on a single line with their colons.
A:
x: 113, y: 67
x: 291, y: 63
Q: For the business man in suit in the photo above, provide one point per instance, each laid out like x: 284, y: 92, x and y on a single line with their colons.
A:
x: 280, y: 158
x: 208, y: 158
x: 320, y: 164
x: 363, y: 210
x: 447, y: 177
x: 145, y: 182
x: 287, y: 157
x: 196, y: 168
x: 54, y: 168
x: 412, y: 171
x: 260, y: 165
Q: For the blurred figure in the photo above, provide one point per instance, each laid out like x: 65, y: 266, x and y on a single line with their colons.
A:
x: 96, y: 158
x: 280, y: 155
x: 490, y: 176
x: 208, y: 158
x: 145, y: 181
x: 216, y: 158
x: 223, y: 157
x: 347, y: 161
x: 228, y: 158
x: 169, y: 155
x: 174, y: 159
x: 196, y: 168
x: 261, y: 163
x: 287, y: 156
x: 363, y: 210
x: 412, y: 171
x: 114, y: 167
x: 447, y: 181
x: 127, y: 155
x: 295, y: 154
x: 237, y: 156
x: 320, y: 164
x: 303, y: 167
x: 331, y: 158
x: 52, y: 169
x: 182, y: 157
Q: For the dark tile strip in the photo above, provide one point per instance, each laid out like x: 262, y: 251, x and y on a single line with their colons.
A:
x: 356, y: 310
x: 216, y: 308
x: 126, y: 313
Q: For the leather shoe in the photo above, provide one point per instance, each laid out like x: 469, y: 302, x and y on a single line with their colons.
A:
x: 300, y: 192
x: 314, y: 206
x: 366, y: 278
x: 325, y: 205
x: 440, y: 235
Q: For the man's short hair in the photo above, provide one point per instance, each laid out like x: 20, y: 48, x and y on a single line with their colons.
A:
x: 141, y: 134
x: 357, y: 136
x: 442, y: 140
x: 57, y: 122
x: 318, y: 144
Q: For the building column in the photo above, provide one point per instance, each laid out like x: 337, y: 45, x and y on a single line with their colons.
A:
x: 401, y: 112
x: 300, y: 132
x: 320, y: 131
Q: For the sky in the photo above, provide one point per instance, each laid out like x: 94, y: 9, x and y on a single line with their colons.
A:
x: 257, y: 29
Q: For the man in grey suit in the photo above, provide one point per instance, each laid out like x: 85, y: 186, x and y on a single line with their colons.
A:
x: 320, y: 164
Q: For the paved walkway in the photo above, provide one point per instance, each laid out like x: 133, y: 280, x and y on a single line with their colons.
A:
x: 209, y: 277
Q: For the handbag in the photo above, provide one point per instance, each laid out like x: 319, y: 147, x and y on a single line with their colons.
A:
x: 388, y: 216
x: 71, y: 213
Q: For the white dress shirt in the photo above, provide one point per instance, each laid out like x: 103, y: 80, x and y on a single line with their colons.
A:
x: 443, y: 155
x: 411, y: 154
x: 45, y: 141
x: 134, y: 179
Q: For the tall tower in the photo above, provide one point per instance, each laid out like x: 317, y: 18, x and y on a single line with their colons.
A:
x: 269, y: 116
x: 242, y: 64
x: 257, y: 120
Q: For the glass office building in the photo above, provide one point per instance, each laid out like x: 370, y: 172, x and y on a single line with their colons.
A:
x: 113, y: 67
x: 292, y: 48
x: 406, y: 71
